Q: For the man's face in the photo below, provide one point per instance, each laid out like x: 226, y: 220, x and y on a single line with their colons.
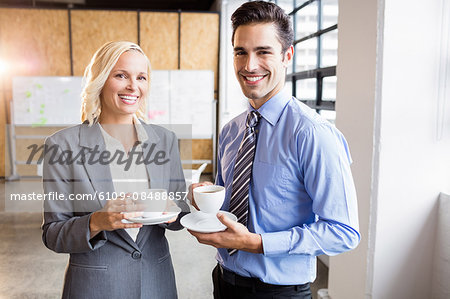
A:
x: 259, y: 64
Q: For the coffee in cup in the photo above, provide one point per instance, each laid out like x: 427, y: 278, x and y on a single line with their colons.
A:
x: 209, y: 199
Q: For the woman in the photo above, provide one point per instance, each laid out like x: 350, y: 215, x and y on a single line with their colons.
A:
x: 89, y: 165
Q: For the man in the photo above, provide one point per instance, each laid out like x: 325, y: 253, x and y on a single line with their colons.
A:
x: 286, y: 171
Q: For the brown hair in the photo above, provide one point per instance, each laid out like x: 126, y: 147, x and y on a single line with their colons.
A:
x: 264, y: 12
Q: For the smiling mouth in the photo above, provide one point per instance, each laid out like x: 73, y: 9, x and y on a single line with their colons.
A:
x: 253, y: 79
x: 129, y: 99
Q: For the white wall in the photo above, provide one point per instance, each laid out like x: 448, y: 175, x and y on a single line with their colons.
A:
x: 414, y: 166
x: 232, y: 101
x: 389, y: 115
x: 355, y: 106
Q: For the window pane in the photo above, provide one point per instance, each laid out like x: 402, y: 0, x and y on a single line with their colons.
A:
x: 306, y: 21
x: 329, y: 45
x: 329, y: 115
x: 306, y: 52
x: 329, y: 89
x: 289, y: 68
x: 288, y: 86
x: 286, y: 5
x: 306, y: 89
x: 329, y: 13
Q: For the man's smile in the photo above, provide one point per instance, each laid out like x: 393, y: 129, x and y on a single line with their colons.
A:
x: 253, y: 79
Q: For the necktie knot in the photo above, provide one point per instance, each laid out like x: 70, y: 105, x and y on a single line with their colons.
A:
x: 252, y: 119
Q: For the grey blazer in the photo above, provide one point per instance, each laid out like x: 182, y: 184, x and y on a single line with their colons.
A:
x: 110, y: 265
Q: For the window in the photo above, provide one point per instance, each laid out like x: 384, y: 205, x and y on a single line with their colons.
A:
x: 312, y: 76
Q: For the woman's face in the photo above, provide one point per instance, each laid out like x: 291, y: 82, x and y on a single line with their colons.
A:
x: 126, y: 86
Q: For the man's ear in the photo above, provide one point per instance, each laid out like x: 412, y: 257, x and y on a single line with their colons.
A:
x: 288, y: 55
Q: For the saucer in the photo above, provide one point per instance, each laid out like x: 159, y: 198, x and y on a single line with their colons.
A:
x: 205, y: 223
x: 157, y: 218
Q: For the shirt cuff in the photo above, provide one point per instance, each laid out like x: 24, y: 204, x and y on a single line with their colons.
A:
x: 176, y: 225
x: 277, y: 243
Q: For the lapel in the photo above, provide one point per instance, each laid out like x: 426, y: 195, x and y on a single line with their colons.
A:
x: 143, y: 236
x: 150, y: 147
x: 99, y: 174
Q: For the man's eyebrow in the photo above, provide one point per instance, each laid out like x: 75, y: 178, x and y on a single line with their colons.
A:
x: 256, y: 49
x: 263, y: 48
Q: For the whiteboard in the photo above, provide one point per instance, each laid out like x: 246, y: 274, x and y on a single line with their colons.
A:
x: 177, y: 97
x: 40, y: 101
x: 183, y: 97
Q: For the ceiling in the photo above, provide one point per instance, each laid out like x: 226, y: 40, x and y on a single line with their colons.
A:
x: 196, y: 5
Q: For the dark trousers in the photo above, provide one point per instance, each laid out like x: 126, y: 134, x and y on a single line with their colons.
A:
x: 228, y: 285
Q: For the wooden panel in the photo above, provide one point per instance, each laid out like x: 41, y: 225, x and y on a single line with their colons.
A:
x: 185, y: 149
x: 196, y: 149
x: 92, y: 28
x: 23, y: 152
x: 201, y: 149
x: 3, y: 144
x: 159, y: 39
x: 199, y: 50
x: 199, y: 44
x: 27, y: 170
x: 35, y: 42
x: 5, y: 102
x: 44, y: 131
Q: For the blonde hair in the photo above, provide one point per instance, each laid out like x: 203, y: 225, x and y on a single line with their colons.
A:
x: 96, y: 74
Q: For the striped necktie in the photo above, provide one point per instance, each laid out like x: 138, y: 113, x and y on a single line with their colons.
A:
x: 243, y: 171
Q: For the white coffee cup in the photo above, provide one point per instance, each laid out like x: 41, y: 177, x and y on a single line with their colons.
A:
x: 209, y: 199
x: 154, y: 202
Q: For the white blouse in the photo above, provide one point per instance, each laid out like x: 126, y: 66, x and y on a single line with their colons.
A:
x: 133, y: 179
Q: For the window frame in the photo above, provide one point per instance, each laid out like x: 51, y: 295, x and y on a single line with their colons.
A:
x: 319, y: 72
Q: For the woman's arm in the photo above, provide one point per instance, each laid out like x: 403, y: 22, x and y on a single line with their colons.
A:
x: 64, y: 231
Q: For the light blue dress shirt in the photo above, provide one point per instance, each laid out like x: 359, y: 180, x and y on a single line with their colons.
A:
x: 302, y: 198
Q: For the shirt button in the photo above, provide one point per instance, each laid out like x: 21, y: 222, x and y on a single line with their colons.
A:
x: 136, y: 255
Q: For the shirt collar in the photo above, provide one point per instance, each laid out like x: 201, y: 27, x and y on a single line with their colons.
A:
x: 272, y: 109
x: 140, y: 132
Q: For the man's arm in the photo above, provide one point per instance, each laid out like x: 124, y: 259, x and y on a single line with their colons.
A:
x: 324, y: 160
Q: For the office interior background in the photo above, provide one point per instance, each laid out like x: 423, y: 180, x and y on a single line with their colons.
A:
x: 378, y: 69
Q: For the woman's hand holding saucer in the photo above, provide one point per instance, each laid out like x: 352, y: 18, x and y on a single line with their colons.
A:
x: 110, y: 217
